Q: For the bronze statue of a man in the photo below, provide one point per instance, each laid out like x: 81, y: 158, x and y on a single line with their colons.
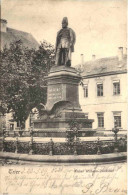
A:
x: 64, y: 44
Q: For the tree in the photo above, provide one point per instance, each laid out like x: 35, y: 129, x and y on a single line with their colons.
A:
x: 23, y: 72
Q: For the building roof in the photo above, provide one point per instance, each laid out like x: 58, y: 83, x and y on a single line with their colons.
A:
x: 12, y: 35
x: 103, y: 66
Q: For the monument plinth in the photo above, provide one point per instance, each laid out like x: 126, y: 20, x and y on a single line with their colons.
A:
x: 63, y: 86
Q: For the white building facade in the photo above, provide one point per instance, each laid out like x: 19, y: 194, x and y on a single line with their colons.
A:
x: 103, y: 93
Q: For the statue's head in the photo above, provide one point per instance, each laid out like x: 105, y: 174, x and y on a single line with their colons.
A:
x: 64, y: 22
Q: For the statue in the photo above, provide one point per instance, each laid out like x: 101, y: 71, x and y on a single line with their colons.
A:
x: 64, y: 44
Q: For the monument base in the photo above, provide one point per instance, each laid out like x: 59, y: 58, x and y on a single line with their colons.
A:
x: 62, y: 104
x: 58, y: 127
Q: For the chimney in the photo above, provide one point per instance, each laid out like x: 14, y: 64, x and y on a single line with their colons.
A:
x: 82, y: 59
x: 3, y: 25
x: 120, y: 53
x: 93, y: 57
x: 125, y: 51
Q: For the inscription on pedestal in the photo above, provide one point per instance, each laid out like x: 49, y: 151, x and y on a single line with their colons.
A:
x: 55, y: 93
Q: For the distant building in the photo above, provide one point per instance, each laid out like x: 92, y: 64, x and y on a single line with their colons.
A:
x: 103, y: 93
x: 9, y: 35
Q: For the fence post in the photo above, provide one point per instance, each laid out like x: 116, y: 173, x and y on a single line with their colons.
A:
x: 31, y: 141
x: 75, y: 145
x: 98, y: 146
x: 16, y: 145
x: 3, y: 139
x: 115, y: 130
x: 51, y: 147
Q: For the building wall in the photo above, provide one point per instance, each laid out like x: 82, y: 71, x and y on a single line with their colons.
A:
x: 32, y: 116
x: 8, y: 123
x: 27, y: 123
x: 108, y: 103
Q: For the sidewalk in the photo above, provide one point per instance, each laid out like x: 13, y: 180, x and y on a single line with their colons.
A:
x: 113, y: 157
x: 57, y: 139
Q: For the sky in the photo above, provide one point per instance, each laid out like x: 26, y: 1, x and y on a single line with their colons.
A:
x: 100, y: 25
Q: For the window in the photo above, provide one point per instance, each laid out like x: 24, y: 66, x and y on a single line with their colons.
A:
x: 11, y: 126
x: 86, y: 91
x: 100, y: 117
x: 99, y: 89
x: 117, y: 119
x: 18, y: 124
x: 116, y: 88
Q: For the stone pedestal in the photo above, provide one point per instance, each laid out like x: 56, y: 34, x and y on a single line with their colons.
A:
x: 63, y: 86
x: 62, y: 102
